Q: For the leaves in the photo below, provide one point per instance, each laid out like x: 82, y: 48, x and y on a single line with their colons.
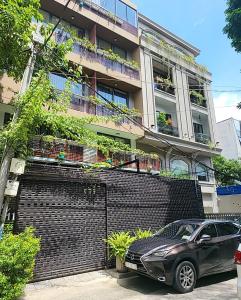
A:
x: 226, y: 168
x: 16, y: 34
x: 17, y: 257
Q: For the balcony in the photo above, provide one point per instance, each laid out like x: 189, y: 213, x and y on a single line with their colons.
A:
x: 168, y: 129
x: 104, y: 11
x: 164, y: 88
x: 198, y: 99
x: 202, y: 138
x: 84, y: 105
x: 69, y: 152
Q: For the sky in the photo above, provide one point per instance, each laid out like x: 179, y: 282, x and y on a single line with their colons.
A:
x: 200, y: 22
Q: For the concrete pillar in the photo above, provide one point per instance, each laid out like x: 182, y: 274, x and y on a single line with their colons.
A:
x: 211, y: 112
x: 183, y: 106
x: 148, y: 90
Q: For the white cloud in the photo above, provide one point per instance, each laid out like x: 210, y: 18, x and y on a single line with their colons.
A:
x: 225, y: 106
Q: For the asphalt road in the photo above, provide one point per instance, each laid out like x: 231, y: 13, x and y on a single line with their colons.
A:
x: 101, y: 286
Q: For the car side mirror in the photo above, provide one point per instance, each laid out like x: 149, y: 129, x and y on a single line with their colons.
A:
x: 204, y: 239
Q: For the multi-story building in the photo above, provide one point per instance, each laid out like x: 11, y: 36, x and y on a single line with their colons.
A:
x: 177, y: 106
x: 164, y: 83
x: 229, y: 137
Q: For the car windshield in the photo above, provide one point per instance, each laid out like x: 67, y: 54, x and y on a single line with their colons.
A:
x: 178, y: 231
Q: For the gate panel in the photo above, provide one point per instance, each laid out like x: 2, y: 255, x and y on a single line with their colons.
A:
x: 70, y: 218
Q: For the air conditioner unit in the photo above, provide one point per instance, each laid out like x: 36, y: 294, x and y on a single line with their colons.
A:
x: 12, y: 188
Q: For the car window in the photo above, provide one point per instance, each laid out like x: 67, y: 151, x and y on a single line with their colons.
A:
x: 208, y: 230
x: 178, y: 231
x: 227, y: 229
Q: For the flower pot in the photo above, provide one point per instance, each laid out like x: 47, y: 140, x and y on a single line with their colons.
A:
x: 120, y: 265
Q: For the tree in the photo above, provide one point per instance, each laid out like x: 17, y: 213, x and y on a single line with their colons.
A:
x: 233, y: 26
x: 228, y: 171
x: 16, y: 34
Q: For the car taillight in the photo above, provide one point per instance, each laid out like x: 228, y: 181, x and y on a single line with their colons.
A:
x: 237, y: 257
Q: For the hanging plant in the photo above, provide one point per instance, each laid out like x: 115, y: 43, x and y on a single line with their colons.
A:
x: 199, y: 98
x: 161, y: 119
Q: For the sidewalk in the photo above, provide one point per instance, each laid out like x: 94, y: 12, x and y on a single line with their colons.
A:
x: 101, y: 286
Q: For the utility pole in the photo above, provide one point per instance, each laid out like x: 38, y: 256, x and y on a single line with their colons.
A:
x: 8, y: 152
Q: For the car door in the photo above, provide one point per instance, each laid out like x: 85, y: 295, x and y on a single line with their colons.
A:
x: 230, y: 238
x: 208, y: 252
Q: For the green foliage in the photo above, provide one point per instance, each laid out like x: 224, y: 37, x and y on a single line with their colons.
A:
x: 143, y: 234
x: 200, y: 99
x: 119, y: 242
x: 161, y: 119
x: 233, y: 23
x: 189, y: 59
x: 17, y: 258
x: 8, y: 228
x: 175, y: 175
x: 227, y: 168
x: 16, y: 34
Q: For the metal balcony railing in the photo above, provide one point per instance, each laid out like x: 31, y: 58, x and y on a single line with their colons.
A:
x: 202, y: 138
x: 168, y: 129
x: 62, y: 150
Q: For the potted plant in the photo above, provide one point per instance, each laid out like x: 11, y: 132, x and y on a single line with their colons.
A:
x: 118, y: 243
x: 197, y: 97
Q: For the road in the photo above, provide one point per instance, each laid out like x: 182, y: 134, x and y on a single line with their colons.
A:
x: 101, y: 286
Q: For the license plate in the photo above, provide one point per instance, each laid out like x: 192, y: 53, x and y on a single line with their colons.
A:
x: 131, y: 266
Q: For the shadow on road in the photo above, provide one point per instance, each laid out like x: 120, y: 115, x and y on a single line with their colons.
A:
x: 146, y: 286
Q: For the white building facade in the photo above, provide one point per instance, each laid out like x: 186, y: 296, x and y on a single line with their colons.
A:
x: 229, y: 138
x: 178, y: 107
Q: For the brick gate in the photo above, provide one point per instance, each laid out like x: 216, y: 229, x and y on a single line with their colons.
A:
x: 74, y: 210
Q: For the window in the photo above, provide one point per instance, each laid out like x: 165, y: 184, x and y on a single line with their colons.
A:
x: 59, y: 83
x: 121, y: 10
x: 104, y: 45
x: 178, y: 231
x: 198, y: 128
x: 179, y: 167
x: 119, y: 51
x: 202, y: 173
x: 208, y: 230
x: 131, y: 16
x: 227, y: 229
x: 106, y: 4
x: 119, y: 97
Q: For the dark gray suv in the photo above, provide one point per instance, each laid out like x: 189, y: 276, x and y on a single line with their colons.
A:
x: 184, y: 251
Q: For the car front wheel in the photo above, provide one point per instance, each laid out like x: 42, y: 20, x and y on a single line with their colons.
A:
x: 185, y: 277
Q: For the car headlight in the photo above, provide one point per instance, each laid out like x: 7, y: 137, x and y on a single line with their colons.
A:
x: 161, y: 253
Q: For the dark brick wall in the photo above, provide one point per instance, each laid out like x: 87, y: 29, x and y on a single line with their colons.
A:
x: 73, y: 211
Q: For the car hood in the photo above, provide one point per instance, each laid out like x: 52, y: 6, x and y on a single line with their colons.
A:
x: 143, y: 246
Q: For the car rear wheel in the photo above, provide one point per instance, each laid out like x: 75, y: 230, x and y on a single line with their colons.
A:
x: 185, y: 277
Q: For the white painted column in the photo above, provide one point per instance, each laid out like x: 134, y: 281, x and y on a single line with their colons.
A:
x: 148, y: 89
x: 211, y: 112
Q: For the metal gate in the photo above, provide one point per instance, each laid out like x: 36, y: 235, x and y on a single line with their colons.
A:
x: 70, y: 218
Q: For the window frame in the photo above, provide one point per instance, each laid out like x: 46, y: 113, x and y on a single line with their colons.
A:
x: 113, y: 90
x: 226, y: 223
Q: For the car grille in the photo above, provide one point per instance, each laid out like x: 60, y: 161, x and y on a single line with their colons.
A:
x: 135, y: 258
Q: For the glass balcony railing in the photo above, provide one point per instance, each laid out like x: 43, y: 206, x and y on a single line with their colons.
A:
x: 116, y: 12
x: 202, y: 138
x: 109, y: 64
x: 168, y: 129
x: 83, y: 104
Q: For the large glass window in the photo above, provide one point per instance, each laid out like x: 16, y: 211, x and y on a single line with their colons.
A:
x: 59, y: 83
x: 131, y: 16
x: 202, y: 173
x: 179, y: 167
x: 121, y: 10
x: 227, y: 229
x: 116, y: 96
x: 104, y: 45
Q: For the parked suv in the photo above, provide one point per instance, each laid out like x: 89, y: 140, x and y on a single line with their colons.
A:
x: 184, y: 251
